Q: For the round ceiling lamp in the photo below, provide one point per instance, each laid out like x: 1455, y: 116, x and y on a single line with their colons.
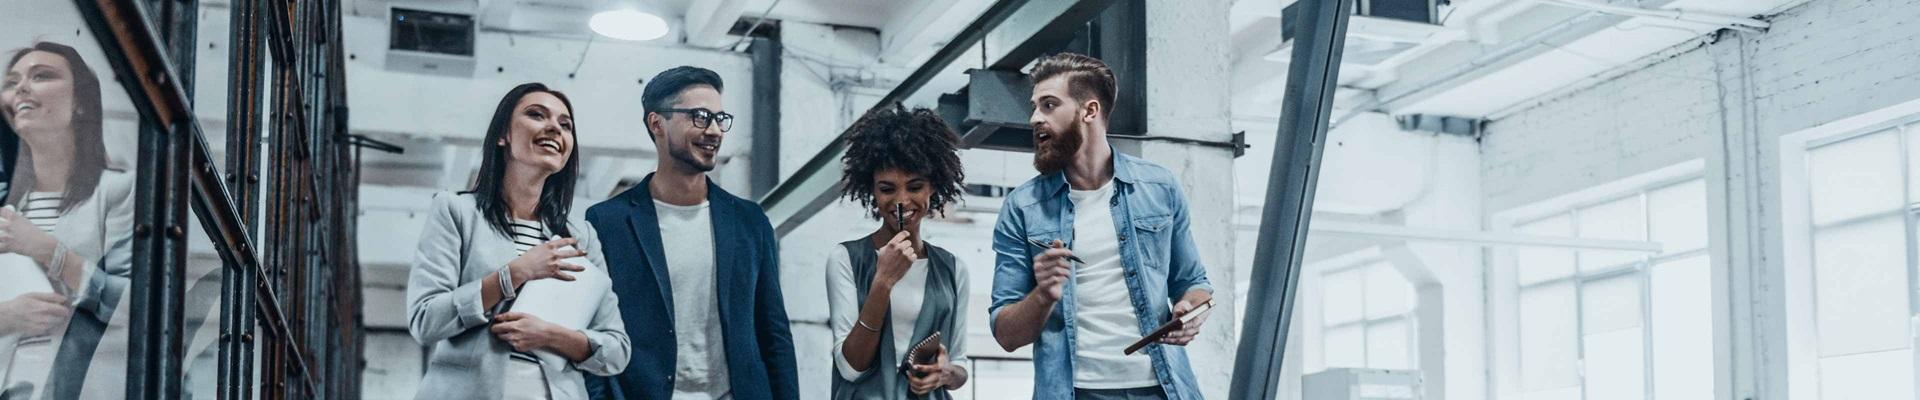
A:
x: 628, y: 24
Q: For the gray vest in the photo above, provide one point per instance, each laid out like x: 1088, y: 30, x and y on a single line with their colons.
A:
x: 883, y: 380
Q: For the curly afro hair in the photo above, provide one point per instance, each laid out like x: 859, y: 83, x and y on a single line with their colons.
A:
x: 916, y: 141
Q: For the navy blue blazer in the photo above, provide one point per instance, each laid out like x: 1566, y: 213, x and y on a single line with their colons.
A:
x: 753, y: 315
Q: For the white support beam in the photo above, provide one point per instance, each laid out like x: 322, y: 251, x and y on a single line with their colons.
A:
x: 707, y: 22
x: 911, y: 32
x: 1479, y: 238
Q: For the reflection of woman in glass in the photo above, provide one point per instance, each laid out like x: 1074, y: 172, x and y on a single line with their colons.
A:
x: 481, y: 248
x: 889, y: 291
x: 65, y: 208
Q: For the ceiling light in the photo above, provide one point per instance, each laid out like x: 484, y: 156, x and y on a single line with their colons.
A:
x: 628, y: 24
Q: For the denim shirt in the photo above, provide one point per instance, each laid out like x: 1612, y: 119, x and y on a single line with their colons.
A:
x: 1156, y: 251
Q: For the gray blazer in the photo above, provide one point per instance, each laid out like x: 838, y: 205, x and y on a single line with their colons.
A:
x: 457, y: 249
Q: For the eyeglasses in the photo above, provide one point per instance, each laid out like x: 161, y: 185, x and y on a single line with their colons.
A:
x: 703, y: 118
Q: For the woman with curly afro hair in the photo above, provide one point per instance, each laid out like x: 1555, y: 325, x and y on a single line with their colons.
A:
x: 898, y: 305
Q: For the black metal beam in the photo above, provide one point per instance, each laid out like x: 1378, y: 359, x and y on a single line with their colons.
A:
x: 766, y: 55
x: 1304, y: 114
x: 246, y: 59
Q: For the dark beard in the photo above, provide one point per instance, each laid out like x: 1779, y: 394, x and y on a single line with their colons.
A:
x: 684, y: 153
x: 1057, y: 153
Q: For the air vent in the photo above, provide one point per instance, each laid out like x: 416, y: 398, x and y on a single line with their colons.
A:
x: 430, y: 42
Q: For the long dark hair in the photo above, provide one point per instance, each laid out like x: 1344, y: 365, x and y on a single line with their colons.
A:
x: 89, y: 149
x: 556, y: 196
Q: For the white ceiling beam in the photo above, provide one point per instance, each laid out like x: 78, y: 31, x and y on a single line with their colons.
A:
x: 1478, y: 238
x: 910, y: 32
x: 707, y: 22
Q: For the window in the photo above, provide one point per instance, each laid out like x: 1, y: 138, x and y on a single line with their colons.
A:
x: 1859, y: 221
x: 1367, y: 319
x: 1615, y: 324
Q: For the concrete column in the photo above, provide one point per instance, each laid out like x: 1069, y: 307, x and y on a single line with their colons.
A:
x: 1188, y: 96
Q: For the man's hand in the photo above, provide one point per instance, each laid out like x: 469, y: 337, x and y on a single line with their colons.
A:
x: 1051, y: 270
x: 1191, y: 329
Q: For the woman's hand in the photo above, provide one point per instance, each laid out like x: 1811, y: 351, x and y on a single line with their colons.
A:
x: 33, y: 314
x: 544, y: 261
x: 18, y: 235
x: 527, y: 333
x: 927, y: 377
x: 895, y: 258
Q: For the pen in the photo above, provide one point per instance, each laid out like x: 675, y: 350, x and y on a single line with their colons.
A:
x: 1047, y: 246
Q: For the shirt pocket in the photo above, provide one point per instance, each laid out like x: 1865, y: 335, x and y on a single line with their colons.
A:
x: 1152, y: 239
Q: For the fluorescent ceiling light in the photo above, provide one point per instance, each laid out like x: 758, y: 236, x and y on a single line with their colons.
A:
x: 628, y: 24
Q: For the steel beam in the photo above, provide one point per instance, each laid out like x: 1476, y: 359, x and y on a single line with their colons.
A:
x: 1312, y: 79
x: 765, y: 167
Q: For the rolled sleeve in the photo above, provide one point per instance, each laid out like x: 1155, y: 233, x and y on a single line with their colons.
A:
x: 1013, y: 266
x: 1185, y: 271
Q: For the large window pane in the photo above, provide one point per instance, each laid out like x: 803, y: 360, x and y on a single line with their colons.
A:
x: 1540, y: 264
x: 1683, y: 320
x: 1548, y: 352
x: 1620, y: 219
x: 1854, y: 178
x: 1615, y: 365
x: 1610, y: 304
x: 1387, y: 345
x: 1346, y: 347
x: 1860, y: 284
x: 1342, y: 300
x: 67, y: 153
x: 1388, y: 293
x: 1868, y: 376
x: 1677, y: 216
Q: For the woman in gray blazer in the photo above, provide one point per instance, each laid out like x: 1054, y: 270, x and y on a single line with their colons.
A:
x: 65, y: 235
x: 481, y: 247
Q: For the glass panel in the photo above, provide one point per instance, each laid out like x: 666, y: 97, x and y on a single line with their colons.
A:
x: 1677, y: 216
x: 1913, y: 162
x: 1572, y: 393
x: 1387, y: 345
x: 1683, y: 329
x: 1860, y: 286
x: 1877, y: 375
x: 1342, y: 297
x: 1620, y: 219
x: 1615, y: 365
x: 1388, y: 293
x: 1610, y: 304
x: 1547, y: 337
x: 1540, y: 264
x: 1854, y: 178
x: 1346, y: 347
x: 67, y: 149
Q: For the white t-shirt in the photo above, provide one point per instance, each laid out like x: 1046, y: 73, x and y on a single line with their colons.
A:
x: 1104, y: 321
x: 700, y: 370
x: 843, y: 309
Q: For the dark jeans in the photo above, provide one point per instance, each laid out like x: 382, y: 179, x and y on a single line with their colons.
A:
x: 1145, y: 393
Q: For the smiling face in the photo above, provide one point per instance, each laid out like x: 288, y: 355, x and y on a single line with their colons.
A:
x: 1058, y: 121
x: 37, y: 93
x: 687, y: 144
x: 896, y: 186
x: 540, y: 135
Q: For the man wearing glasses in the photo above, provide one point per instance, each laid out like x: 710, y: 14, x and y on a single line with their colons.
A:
x: 695, y: 268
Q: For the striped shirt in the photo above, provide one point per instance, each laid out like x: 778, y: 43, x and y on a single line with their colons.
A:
x: 43, y: 209
x: 526, y: 234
